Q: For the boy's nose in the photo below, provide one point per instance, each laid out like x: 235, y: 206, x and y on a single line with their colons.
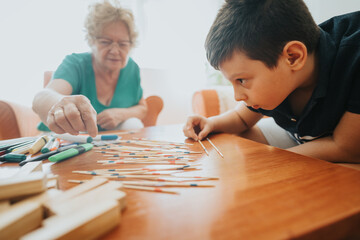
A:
x: 240, y: 96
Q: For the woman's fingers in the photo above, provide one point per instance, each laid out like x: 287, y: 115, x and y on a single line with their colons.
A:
x: 88, y: 114
x: 52, y: 124
x: 63, y: 122
x: 73, y: 114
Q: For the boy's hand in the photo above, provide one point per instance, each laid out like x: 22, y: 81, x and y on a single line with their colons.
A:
x: 197, y: 127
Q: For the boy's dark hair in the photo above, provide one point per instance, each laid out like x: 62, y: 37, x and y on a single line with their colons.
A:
x: 260, y: 29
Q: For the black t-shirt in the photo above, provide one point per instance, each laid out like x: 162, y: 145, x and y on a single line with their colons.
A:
x: 338, y: 84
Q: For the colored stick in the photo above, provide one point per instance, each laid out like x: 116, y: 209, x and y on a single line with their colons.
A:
x: 151, y: 189
x: 215, y: 147
x: 202, y: 145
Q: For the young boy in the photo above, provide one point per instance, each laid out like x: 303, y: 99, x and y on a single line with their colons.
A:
x: 281, y: 64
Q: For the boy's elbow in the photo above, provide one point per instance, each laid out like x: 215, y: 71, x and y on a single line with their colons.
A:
x: 350, y: 154
x: 354, y: 157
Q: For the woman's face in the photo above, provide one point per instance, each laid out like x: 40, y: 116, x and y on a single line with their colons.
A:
x: 111, y: 48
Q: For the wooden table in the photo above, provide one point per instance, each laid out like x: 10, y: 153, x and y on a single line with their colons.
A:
x: 263, y: 193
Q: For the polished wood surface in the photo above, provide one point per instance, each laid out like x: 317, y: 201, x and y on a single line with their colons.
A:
x: 263, y: 193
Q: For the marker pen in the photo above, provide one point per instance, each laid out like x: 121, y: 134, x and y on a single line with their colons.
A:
x: 106, y: 137
x: 16, y: 141
x: 74, y: 138
x: 12, y: 157
x: 71, y: 152
x: 47, y: 155
x: 46, y: 148
x: 38, y: 144
x: 18, y: 145
x: 23, y: 149
x: 55, y: 144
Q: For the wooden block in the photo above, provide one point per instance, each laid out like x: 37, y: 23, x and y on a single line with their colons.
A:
x: 29, y: 168
x: 52, y: 184
x: 85, y: 223
x: 19, y: 219
x: 92, y: 197
x: 52, y: 181
x: 21, y: 186
x: 75, y: 191
x: 4, y: 204
x: 44, y: 197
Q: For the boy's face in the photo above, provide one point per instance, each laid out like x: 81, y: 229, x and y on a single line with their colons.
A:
x: 256, y: 84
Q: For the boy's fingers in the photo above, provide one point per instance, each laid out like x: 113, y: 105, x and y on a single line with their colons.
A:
x: 204, y: 132
x: 189, y: 131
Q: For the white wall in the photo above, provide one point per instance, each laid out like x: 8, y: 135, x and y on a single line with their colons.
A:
x: 37, y: 34
x: 35, y: 37
x: 325, y: 9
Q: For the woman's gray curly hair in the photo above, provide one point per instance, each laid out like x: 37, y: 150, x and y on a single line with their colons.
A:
x: 101, y: 14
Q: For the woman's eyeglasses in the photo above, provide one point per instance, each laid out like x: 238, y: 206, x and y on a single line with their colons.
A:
x: 108, y: 44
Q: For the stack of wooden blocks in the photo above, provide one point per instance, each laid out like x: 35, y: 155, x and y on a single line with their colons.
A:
x: 29, y: 209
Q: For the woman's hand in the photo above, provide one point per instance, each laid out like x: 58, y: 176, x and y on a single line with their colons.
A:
x: 111, y: 118
x: 72, y: 114
x: 197, y: 127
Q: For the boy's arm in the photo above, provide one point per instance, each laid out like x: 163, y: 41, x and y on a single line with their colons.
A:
x: 235, y: 121
x: 343, y: 146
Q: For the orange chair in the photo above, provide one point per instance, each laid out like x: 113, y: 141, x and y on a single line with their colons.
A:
x: 212, y: 102
x: 17, y: 120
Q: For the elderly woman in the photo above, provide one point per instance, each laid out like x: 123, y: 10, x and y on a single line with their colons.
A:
x: 99, y: 90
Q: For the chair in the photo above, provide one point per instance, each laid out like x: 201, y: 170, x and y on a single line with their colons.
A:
x: 212, y: 102
x: 17, y: 120
x: 155, y: 105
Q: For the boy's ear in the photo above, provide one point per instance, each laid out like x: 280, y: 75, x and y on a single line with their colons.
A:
x: 295, y: 54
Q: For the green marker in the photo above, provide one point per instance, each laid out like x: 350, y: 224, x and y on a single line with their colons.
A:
x: 13, y: 157
x: 71, y: 152
x: 47, y: 146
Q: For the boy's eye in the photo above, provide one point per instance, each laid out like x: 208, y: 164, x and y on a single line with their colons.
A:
x: 240, y: 80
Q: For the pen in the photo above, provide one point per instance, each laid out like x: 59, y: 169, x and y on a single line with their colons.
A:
x: 48, y: 145
x: 15, y: 141
x: 55, y: 144
x: 74, y: 138
x: 46, y: 155
x: 71, y: 152
x: 106, y: 137
x: 38, y: 144
x: 12, y: 157
x: 18, y: 145
x: 23, y: 149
